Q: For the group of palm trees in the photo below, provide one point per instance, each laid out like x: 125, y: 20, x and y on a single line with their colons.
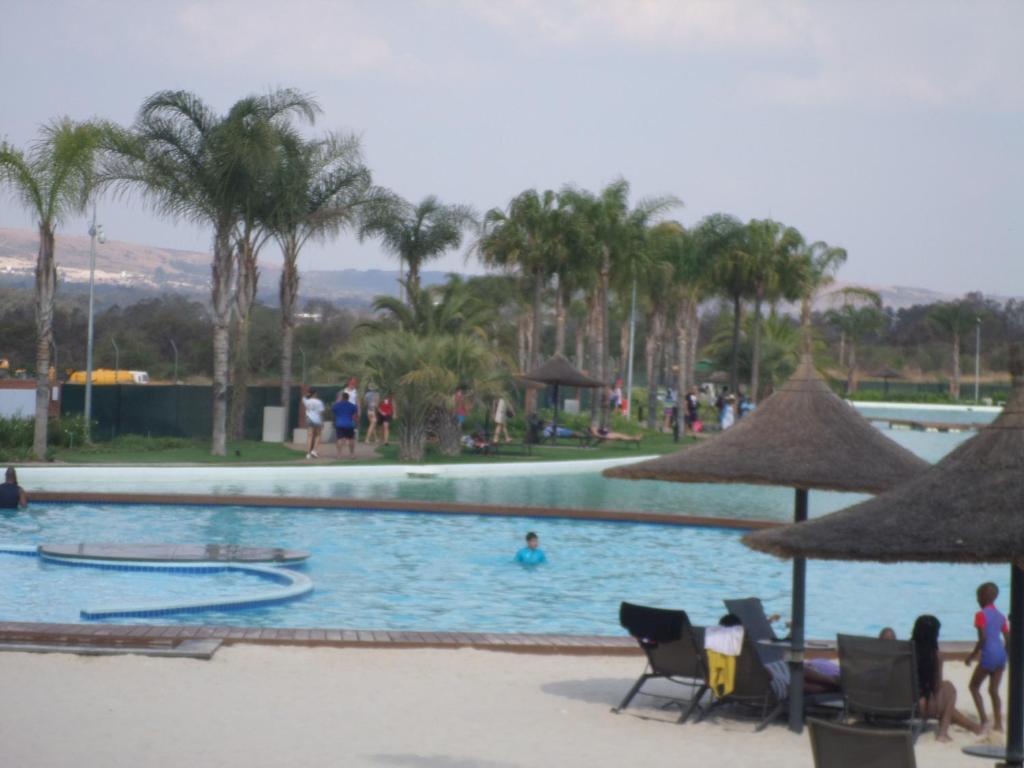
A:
x: 251, y: 175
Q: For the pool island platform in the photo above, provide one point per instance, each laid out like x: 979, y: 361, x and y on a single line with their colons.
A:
x: 174, y: 553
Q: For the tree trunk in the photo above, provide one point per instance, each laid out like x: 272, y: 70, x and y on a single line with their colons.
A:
x: 805, y: 325
x: 521, y: 342
x: 414, y: 280
x: 535, y: 329
x: 411, y: 439
x: 581, y: 338
x: 223, y: 263
x: 623, y: 349
x: 602, y: 336
x: 682, y: 334
x: 954, y: 384
x: 449, y: 434
x: 734, y: 374
x: 560, y: 316
x: 693, y: 336
x: 755, y: 356
x: 655, y: 331
x: 596, y: 351
x: 46, y: 287
x: 289, y: 295
x: 842, y: 348
x: 245, y: 297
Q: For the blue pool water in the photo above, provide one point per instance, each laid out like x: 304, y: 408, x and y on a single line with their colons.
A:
x: 446, y: 572
x: 451, y: 572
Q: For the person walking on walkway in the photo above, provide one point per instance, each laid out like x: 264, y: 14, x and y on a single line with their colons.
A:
x: 314, y: 422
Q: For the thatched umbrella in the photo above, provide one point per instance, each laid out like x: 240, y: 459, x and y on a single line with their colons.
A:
x: 803, y: 437
x: 559, y: 372
x: 968, y: 508
x: 885, y: 374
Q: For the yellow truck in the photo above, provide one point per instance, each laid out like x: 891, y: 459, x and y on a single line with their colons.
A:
x: 110, y: 376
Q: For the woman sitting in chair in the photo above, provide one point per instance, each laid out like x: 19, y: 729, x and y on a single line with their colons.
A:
x: 938, y: 696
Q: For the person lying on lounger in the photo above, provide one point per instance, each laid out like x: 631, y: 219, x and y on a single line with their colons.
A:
x: 606, y: 434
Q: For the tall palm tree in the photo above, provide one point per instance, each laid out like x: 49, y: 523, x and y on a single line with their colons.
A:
x: 856, y: 321
x: 821, y: 261
x: 617, y: 234
x: 446, y: 309
x: 656, y: 291
x: 953, y: 319
x: 721, y: 238
x: 192, y: 163
x: 53, y: 180
x: 773, y: 268
x: 320, y: 187
x: 527, y: 238
x: 417, y: 233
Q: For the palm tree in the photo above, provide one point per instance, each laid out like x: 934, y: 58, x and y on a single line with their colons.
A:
x: 446, y: 309
x: 53, y: 180
x: 418, y: 233
x: 820, y: 263
x: 320, y: 188
x: 527, y: 238
x: 720, y: 238
x: 194, y: 164
x: 953, y: 319
x: 616, y: 232
x: 773, y: 269
x: 855, y: 322
x: 656, y: 293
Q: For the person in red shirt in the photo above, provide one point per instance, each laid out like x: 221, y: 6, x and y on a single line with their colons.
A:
x: 385, y: 414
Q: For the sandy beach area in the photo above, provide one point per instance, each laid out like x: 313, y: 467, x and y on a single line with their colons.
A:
x: 262, y: 706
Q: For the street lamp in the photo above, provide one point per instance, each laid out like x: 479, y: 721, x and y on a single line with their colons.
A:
x: 117, y: 359
x: 175, y: 347
x: 95, y: 232
x: 977, y: 357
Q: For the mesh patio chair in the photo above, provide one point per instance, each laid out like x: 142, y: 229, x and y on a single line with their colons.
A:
x: 879, y: 680
x: 750, y: 611
x: 842, y: 746
x: 674, y: 650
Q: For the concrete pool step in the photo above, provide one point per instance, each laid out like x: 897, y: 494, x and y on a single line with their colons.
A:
x: 92, y: 646
x: 175, y: 553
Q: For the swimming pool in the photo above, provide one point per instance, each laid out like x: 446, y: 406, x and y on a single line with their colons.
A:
x: 430, y: 572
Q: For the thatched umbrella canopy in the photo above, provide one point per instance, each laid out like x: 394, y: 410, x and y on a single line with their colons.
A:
x: 885, y: 374
x: 804, y: 437
x: 967, y: 508
x: 559, y: 372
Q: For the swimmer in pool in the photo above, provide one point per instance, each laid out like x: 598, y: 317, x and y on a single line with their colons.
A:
x: 12, y: 495
x: 531, y: 554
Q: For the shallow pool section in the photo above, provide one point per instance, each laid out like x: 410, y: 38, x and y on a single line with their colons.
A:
x: 429, y: 572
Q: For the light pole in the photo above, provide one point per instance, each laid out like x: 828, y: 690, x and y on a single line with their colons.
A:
x: 94, y: 233
x: 977, y: 357
x: 303, y: 353
x: 175, y: 348
x: 117, y: 360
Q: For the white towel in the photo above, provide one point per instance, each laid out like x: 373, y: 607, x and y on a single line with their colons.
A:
x: 727, y: 641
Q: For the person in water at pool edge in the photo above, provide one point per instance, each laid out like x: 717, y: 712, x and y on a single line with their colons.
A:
x: 12, y: 495
x: 531, y: 554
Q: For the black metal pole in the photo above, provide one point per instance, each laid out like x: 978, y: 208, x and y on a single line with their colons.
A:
x: 796, y: 633
x: 1015, y: 714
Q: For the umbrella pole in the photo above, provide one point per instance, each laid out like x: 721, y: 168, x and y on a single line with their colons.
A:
x: 1015, y: 715
x: 796, y: 634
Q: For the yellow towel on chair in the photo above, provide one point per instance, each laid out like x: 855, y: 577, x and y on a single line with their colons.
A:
x: 721, y: 673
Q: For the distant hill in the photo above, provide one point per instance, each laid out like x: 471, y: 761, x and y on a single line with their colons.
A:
x: 129, y: 269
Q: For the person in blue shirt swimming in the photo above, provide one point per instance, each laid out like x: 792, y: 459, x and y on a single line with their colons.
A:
x: 531, y: 554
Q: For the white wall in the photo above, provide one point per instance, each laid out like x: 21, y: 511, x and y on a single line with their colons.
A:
x: 17, y: 402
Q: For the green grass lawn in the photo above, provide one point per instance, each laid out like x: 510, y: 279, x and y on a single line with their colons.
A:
x: 132, y: 449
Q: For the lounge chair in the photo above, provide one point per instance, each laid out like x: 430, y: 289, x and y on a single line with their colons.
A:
x: 753, y: 687
x: 751, y: 613
x: 879, y: 680
x: 674, y: 649
x: 841, y: 746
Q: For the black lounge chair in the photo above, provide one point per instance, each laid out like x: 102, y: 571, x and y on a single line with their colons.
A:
x: 753, y: 686
x: 674, y: 650
x: 879, y: 680
x: 841, y: 746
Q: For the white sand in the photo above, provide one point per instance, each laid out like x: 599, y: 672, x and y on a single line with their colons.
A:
x: 260, y: 706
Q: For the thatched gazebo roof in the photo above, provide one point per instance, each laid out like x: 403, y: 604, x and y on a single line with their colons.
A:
x: 803, y: 436
x: 968, y: 508
x: 558, y: 370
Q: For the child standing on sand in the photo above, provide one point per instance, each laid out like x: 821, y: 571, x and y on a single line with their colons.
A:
x: 993, y: 630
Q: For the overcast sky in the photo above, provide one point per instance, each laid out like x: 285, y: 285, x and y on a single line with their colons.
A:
x: 894, y: 129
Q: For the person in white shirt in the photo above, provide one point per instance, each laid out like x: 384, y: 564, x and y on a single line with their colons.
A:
x: 314, y: 422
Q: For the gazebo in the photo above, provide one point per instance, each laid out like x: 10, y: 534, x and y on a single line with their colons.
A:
x: 968, y: 508
x: 559, y: 372
x: 804, y: 437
